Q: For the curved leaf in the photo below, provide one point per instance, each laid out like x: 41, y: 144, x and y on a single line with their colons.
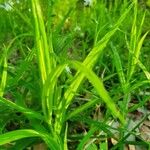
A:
x: 16, y: 135
x: 98, y: 84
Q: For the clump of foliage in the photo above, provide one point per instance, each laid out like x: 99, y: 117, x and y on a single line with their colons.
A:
x: 70, y: 72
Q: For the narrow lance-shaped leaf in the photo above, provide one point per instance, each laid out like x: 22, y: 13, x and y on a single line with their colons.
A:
x: 3, y: 76
x: 138, y: 49
x: 26, y: 133
x: 87, y: 137
x: 135, y: 43
x: 119, y: 68
x: 43, y: 36
x: 40, y: 48
x: 26, y: 111
x: 48, y: 91
x: 16, y: 135
x: 98, y: 85
x: 45, y: 52
x: 144, y: 69
x: 82, y: 108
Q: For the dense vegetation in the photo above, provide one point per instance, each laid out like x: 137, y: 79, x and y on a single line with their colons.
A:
x: 74, y: 74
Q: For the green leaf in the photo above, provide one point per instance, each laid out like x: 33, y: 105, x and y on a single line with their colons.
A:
x: 98, y: 84
x: 82, y: 108
x: 3, y: 75
x: 51, y: 142
x: 49, y: 90
x: 92, y: 57
x: 118, y: 65
x: 16, y: 135
x: 44, y: 51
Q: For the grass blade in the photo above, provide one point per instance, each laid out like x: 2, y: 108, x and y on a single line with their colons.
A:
x: 86, y: 138
x: 48, y: 92
x: 16, y: 135
x: 44, y: 52
x: 26, y: 133
x: 135, y: 43
x: 82, y: 108
x: 118, y: 64
x: 3, y: 75
x: 98, y: 85
x: 26, y: 111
